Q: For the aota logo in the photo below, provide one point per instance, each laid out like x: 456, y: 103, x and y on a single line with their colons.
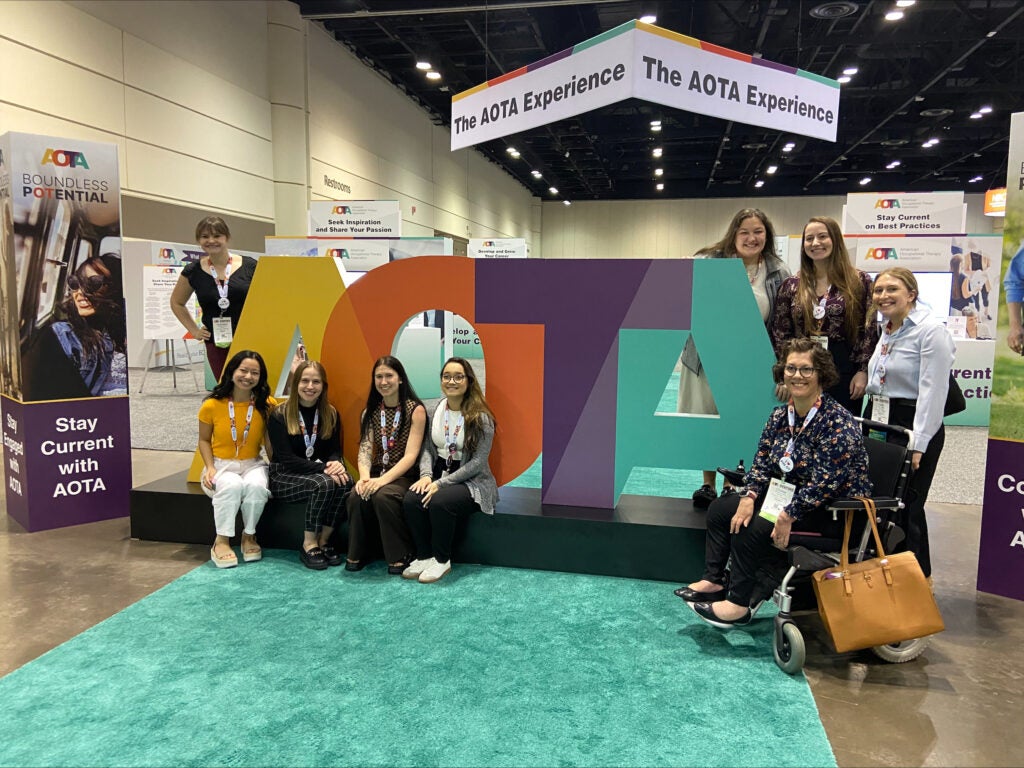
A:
x: 488, y: 243
x: 65, y: 158
x: 889, y: 203
x: 342, y: 209
x: 881, y: 253
x: 337, y: 253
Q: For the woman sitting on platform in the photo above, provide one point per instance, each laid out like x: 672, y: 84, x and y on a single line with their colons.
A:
x: 235, y: 476
x: 391, y: 434
x: 811, y: 451
x: 305, y: 433
x: 455, y: 479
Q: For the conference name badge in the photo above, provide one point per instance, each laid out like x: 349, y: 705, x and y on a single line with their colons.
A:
x: 780, y: 494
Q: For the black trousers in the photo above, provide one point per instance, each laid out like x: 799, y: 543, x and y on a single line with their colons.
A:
x: 915, y: 521
x: 379, y: 518
x: 433, y: 526
x: 750, y: 551
x: 324, y: 498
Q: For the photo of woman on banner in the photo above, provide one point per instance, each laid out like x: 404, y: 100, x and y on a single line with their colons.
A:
x: 220, y: 282
x: 82, y: 355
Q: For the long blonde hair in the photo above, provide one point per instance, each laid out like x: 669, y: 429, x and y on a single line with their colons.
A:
x: 328, y: 414
x: 841, y: 274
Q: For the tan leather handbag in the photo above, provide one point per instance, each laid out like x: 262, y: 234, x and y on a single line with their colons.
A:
x: 875, y: 602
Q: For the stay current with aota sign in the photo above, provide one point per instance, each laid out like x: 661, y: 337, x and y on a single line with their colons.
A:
x: 76, y: 464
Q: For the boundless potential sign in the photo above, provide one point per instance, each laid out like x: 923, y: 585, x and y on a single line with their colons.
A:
x: 637, y: 60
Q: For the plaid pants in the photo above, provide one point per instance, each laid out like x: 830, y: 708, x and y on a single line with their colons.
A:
x: 324, y: 498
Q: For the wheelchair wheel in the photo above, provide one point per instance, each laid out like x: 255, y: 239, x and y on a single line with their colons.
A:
x: 791, y: 653
x: 898, y: 653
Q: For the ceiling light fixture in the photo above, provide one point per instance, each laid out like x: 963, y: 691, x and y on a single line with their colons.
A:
x: 985, y: 110
x: 566, y: 202
x: 893, y: 164
x: 650, y: 18
x: 866, y: 180
x: 655, y: 123
x: 759, y: 183
x: 656, y: 128
x: 976, y: 178
x: 433, y: 75
x: 659, y: 171
x: 553, y: 190
x: 659, y: 187
x: 424, y: 65
x: 656, y: 152
x: 535, y: 174
x: 844, y: 79
x: 850, y: 71
x: 905, y: 3
x: 511, y: 150
x: 894, y: 15
x: 772, y: 169
x: 976, y: 116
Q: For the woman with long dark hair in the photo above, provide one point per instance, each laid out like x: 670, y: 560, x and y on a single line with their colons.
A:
x: 84, y: 354
x: 232, y: 428
x: 391, y: 434
x: 750, y: 237
x: 828, y: 301
x: 455, y: 479
x: 305, y: 433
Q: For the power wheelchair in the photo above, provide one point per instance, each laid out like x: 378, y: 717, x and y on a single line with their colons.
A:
x: 889, y: 468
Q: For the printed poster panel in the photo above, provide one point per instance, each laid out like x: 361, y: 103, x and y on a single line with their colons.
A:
x: 62, y: 197
x: 637, y: 60
x: 1001, y: 551
x: 355, y: 218
x: 358, y: 255
x: 497, y: 248
x: 905, y: 213
x: 158, y: 322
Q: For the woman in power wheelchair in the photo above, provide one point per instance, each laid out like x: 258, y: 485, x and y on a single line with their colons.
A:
x: 811, y: 451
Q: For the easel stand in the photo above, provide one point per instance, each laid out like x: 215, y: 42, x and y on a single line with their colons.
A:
x: 168, y: 352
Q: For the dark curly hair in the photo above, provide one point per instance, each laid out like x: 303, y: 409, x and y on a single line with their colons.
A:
x: 105, y: 292
x: 828, y: 376
x: 226, y: 385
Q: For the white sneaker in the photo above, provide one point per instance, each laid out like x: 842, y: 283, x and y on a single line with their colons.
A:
x: 415, y: 568
x: 434, y: 571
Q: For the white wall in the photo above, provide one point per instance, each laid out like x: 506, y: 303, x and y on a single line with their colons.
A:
x: 644, y: 229
x: 365, y: 133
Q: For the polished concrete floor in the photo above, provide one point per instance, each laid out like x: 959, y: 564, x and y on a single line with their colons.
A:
x: 958, y: 705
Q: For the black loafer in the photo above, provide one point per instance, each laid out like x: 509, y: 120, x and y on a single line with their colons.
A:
x: 396, y: 570
x: 703, y: 497
x: 707, y: 612
x: 693, y: 596
x: 313, y: 558
x: 355, y: 565
x: 332, y: 556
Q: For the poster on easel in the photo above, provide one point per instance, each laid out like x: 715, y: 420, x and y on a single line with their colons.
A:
x: 67, y: 443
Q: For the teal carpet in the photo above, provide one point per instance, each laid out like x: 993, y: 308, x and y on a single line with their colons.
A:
x: 271, y: 664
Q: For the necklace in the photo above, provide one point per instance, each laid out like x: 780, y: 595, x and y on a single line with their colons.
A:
x: 752, y: 276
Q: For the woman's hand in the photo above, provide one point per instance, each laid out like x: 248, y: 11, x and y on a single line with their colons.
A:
x: 858, y: 384
x: 781, y: 393
x: 208, y: 477
x: 915, y: 460
x: 361, y: 489
x: 780, y: 533
x: 431, y: 490
x: 744, y: 514
x: 336, y: 470
x: 370, y: 487
x: 421, y: 485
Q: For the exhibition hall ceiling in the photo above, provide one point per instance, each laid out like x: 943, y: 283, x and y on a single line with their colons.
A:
x: 928, y: 107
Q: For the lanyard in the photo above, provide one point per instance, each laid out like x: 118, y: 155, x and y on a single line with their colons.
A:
x: 451, y: 442
x: 387, y: 440
x: 310, y: 441
x: 222, y: 285
x: 248, y: 423
x: 786, y: 462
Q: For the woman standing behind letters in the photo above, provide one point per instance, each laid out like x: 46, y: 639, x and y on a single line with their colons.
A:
x: 828, y: 301
x: 220, y: 281
x: 750, y: 237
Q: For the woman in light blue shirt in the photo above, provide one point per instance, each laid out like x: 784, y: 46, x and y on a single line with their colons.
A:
x: 908, y: 380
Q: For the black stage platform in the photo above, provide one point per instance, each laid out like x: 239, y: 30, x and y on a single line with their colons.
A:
x: 645, y: 537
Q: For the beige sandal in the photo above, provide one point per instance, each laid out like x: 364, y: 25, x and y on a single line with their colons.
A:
x: 229, y: 560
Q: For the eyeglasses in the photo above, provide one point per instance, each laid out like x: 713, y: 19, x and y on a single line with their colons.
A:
x: 457, y: 378
x: 90, y: 284
x: 805, y: 371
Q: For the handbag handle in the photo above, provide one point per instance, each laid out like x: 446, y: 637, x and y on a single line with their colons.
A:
x: 869, y: 507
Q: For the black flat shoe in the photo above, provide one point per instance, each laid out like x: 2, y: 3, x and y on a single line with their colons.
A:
x: 314, y: 558
x: 332, y: 556
x: 693, y: 596
x: 707, y: 612
x: 355, y: 565
x: 396, y: 570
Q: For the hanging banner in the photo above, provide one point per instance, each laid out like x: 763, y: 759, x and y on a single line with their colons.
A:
x: 637, y: 60
x: 906, y: 213
x: 67, y: 447
x: 504, y: 248
x: 355, y: 218
x: 1001, y: 551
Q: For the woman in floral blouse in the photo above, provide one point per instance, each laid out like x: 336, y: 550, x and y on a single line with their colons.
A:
x: 828, y: 301
x: 811, y: 451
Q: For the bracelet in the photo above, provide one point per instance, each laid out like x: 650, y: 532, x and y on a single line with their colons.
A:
x: 751, y: 495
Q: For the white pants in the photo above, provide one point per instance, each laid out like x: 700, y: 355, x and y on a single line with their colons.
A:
x: 238, y: 484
